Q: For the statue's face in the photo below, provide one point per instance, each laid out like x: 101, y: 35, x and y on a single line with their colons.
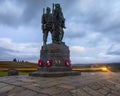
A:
x: 48, y: 10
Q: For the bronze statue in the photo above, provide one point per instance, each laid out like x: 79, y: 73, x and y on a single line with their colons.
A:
x: 54, y: 23
x: 59, y: 24
x: 46, y: 24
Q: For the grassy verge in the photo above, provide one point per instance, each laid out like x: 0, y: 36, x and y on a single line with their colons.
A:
x: 19, y: 69
x: 5, y: 73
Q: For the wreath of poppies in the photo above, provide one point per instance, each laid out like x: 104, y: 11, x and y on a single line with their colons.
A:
x: 40, y: 63
x: 67, y: 63
x: 49, y: 63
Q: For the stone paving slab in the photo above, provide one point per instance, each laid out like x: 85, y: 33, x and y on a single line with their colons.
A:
x: 86, y: 84
x: 79, y: 92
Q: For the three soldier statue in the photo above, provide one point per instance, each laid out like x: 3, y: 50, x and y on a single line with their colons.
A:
x: 54, y: 23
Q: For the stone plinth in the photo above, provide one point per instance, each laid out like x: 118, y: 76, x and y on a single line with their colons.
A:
x: 58, y: 54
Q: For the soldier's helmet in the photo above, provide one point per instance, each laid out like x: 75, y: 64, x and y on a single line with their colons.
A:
x: 48, y: 10
x: 57, y: 5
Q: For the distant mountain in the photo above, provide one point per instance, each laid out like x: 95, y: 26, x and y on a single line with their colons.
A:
x: 81, y: 65
x: 114, y: 66
x: 94, y: 64
x: 111, y: 66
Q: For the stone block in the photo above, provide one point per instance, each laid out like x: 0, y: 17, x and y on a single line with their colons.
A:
x: 12, y: 72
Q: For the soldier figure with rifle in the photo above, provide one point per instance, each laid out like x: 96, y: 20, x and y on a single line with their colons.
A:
x: 53, y: 22
x: 46, y: 24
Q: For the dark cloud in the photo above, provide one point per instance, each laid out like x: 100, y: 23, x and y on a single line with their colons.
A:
x: 5, y: 54
x: 2, y: 1
x: 4, y: 50
x: 101, y: 18
x: 31, y: 14
x: 8, y: 54
x: 74, y: 34
x: 114, y: 50
x: 32, y: 10
x: 8, y: 19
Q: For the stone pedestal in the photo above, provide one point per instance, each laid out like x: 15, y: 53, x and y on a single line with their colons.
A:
x: 55, y: 52
x: 58, y: 54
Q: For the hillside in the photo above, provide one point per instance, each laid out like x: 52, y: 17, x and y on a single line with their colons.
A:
x: 5, y: 65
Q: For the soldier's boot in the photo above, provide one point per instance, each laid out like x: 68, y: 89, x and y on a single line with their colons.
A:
x: 44, y: 43
x: 44, y: 40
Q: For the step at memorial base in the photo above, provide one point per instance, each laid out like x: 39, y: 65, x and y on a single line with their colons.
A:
x: 54, y: 74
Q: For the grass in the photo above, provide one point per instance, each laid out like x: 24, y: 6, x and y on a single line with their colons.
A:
x: 5, y: 73
x: 24, y: 68
x: 19, y: 69
x: 14, y: 65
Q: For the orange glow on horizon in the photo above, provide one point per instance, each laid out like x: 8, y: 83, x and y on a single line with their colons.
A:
x: 104, y: 69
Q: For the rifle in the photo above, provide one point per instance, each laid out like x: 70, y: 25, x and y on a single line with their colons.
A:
x: 53, y: 16
x: 43, y: 11
x: 53, y: 8
x: 43, y: 19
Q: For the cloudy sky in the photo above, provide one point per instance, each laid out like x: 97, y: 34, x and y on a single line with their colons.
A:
x: 92, y: 33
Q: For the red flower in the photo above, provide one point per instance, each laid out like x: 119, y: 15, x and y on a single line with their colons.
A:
x: 40, y: 63
x: 49, y: 63
x: 67, y: 63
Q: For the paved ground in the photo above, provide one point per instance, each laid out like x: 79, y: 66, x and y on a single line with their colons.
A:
x: 88, y: 84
